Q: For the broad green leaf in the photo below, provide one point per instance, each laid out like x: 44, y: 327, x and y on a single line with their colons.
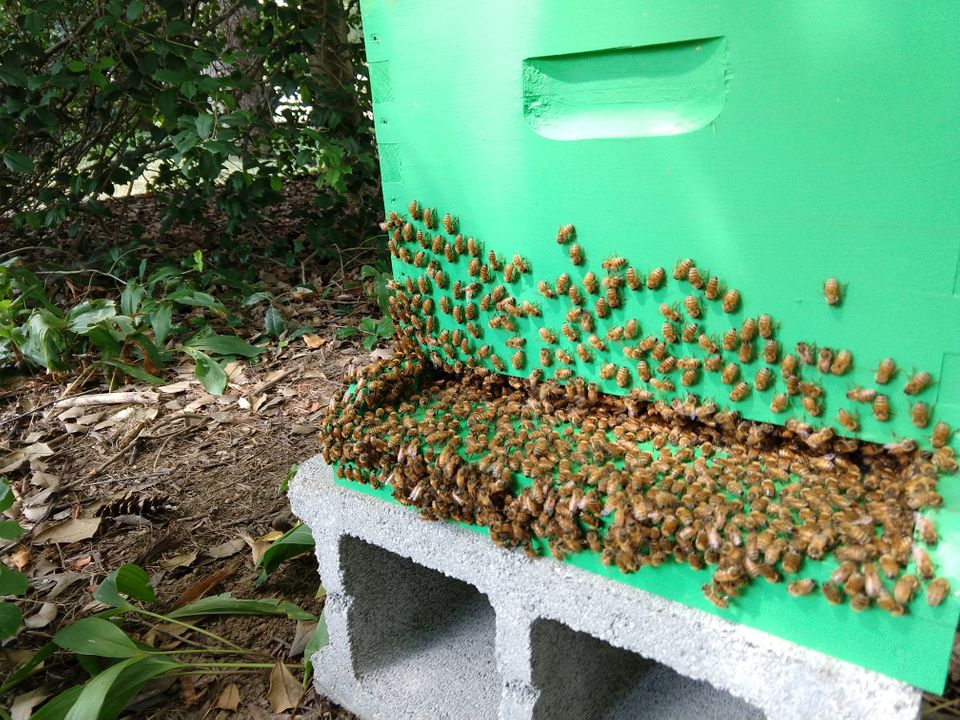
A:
x: 226, y: 604
x: 58, y: 707
x: 10, y: 529
x: 255, y: 298
x: 295, y: 541
x: 369, y: 341
x: 90, y: 701
x: 194, y: 298
x: 133, y: 371
x: 44, y: 342
x: 6, y: 495
x: 204, y: 125
x: 88, y: 313
x: 96, y: 636
x: 208, y: 371
x: 224, y: 345
x: 348, y: 331
x: 130, y: 298
x: 131, y: 680
x: 134, y: 10
x: 10, y: 619
x: 160, y: 320
x: 273, y: 323
x: 130, y: 580
x: 76, y: 66
x: 18, y: 162
x: 26, y: 669
x: 320, y: 638
x: 11, y: 581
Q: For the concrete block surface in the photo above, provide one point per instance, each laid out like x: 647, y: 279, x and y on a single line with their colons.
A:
x: 431, y: 620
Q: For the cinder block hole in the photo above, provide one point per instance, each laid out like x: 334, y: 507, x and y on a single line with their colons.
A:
x: 416, y: 633
x: 582, y: 677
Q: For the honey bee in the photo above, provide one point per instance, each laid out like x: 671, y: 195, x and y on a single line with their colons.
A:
x: 693, y: 306
x: 745, y: 352
x: 631, y: 329
x: 682, y: 268
x: 885, y: 371
x: 564, y: 357
x: 446, y: 307
x: 806, y: 353
x: 668, y: 331
x: 428, y: 219
x: 392, y: 247
x: 937, y: 591
x: 414, y: 210
x: 565, y: 234
x: 824, y: 360
x: 689, y: 333
x: 548, y: 336
x: 730, y: 374
x: 831, y: 593
x: 841, y: 363
x: 574, y: 294
x: 473, y: 268
x: 712, y: 290
x: 655, y: 278
x: 761, y: 381
x: 474, y: 330
x: 613, y: 263
x: 798, y: 588
x: 483, y: 352
x: 667, y: 365
x: 920, y: 414
x: 563, y: 284
x: 613, y: 297
x: 712, y: 363
x: 546, y: 357
x: 570, y: 332
x: 881, y: 408
x: 576, y: 254
x: 812, y: 406
x: 615, y: 333
x: 590, y: 283
x: 921, y: 559
x: 779, y: 403
x: 602, y: 309
x: 689, y: 377
x: 458, y: 314
x: 427, y: 307
x: 941, y: 434
x: 861, y: 394
x: 586, y: 322
x: 584, y: 353
x: 831, y: 291
x: 739, y: 391
x: 563, y: 373
x: 771, y: 351
x: 904, y: 588
x: 545, y: 289
x: 643, y: 371
x: 669, y: 313
x: 520, y: 264
x: 597, y: 343
x: 662, y: 384
x: 497, y: 362
x: 623, y: 377
x: 518, y: 360
x: 917, y: 383
x: 516, y: 342
x: 731, y: 301
x: 607, y: 371
x: 791, y: 562
x: 707, y: 344
x: 927, y: 529
x: 945, y: 459
x: 633, y: 279
x: 848, y: 420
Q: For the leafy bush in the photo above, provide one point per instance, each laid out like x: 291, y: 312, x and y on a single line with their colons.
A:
x: 214, y: 100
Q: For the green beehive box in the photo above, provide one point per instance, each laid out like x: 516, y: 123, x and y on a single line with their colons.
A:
x: 777, y: 145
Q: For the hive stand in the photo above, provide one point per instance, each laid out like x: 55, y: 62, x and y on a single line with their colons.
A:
x: 431, y: 620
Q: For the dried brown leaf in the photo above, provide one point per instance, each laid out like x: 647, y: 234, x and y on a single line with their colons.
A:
x: 257, y: 547
x: 20, y: 558
x: 18, y: 457
x: 69, y: 531
x: 200, y: 588
x: 224, y: 550
x: 285, y: 690
x: 302, y: 635
x: 314, y: 341
x: 182, y: 560
x: 230, y: 698
x: 43, y: 617
x: 24, y: 704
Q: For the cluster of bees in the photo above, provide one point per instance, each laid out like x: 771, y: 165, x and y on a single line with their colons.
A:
x: 467, y: 307
x: 587, y: 443
x: 644, y: 483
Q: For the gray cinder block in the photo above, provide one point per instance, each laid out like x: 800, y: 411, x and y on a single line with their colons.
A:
x: 430, y: 620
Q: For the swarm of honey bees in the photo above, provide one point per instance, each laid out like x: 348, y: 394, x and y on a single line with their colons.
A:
x: 645, y: 477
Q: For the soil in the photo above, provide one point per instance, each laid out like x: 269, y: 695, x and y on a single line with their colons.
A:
x: 192, y: 484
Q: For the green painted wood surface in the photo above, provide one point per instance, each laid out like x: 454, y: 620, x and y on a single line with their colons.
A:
x: 776, y: 144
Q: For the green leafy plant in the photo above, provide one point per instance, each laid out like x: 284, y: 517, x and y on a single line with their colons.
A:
x: 206, y: 101
x: 293, y: 543
x: 12, y: 582
x: 120, y: 666
x: 136, y: 336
